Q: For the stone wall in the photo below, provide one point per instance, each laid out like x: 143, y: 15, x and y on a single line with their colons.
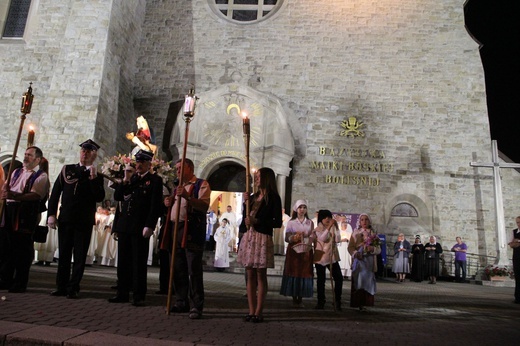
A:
x: 407, y: 70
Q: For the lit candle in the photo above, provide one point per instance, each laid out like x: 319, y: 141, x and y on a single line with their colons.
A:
x: 245, y: 124
x: 30, y: 137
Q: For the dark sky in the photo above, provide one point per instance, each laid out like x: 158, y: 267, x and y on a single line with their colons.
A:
x: 495, y: 24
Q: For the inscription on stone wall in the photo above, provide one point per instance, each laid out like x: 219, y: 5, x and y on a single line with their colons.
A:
x: 356, y: 163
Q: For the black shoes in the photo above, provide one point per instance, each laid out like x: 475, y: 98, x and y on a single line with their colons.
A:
x: 59, y: 293
x: 73, y: 295
x: 179, y: 309
x: 195, y: 314
x: 319, y: 306
x: 119, y: 299
x: 17, y: 289
x: 138, y: 302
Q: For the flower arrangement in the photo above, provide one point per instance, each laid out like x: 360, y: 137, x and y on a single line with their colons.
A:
x: 164, y: 170
x: 372, y: 240
x: 114, y: 167
x: 493, y: 270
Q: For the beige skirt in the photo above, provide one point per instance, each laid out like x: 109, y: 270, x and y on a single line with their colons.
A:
x: 256, y: 250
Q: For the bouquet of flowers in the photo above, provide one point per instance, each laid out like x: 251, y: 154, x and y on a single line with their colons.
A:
x: 114, y: 166
x: 493, y: 270
x: 372, y: 240
x: 164, y: 170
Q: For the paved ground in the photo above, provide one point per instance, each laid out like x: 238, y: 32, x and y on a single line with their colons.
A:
x: 405, y: 314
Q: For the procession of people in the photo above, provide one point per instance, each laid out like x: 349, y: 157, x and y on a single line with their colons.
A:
x: 80, y: 231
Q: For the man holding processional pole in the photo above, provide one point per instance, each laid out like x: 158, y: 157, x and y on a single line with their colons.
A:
x: 187, y: 208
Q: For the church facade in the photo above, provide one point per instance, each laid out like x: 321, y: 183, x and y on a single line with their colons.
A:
x: 358, y: 106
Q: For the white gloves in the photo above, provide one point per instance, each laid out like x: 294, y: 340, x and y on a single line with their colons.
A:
x: 51, y: 222
x: 147, y: 232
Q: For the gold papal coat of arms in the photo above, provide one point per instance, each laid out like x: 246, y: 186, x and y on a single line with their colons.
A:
x: 351, y: 127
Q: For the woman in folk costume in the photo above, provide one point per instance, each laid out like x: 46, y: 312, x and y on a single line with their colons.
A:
x: 256, y: 252
x: 222, y: 237
x: 364, y: 248
x: 297, y: 280
x: 325, y: 238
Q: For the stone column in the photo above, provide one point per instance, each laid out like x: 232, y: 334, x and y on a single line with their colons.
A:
x: 280, y: 184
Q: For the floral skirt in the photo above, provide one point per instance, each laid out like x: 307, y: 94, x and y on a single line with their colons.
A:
x: 256, y: 250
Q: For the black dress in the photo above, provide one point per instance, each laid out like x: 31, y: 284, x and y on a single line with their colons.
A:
x: 432, y: 259
x: 417, y: 262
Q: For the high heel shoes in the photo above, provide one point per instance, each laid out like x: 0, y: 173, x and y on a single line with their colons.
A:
x: 248, y: 318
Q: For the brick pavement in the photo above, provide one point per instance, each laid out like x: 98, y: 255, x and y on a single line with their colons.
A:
x: 406, y: 313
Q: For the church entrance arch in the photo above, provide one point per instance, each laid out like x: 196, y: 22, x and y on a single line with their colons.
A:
x: 228, y: 176
x: 215, y: 142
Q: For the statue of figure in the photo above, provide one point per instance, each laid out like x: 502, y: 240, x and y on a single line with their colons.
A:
x: 142, y: 138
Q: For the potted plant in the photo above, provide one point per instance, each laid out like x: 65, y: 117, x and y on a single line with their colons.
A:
x: 495, y: 272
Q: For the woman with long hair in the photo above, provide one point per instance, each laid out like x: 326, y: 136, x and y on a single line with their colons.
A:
x: 256, y: 252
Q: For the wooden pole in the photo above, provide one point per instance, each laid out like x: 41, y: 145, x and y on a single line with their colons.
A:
x: 189, y: 107
x: 247, y: 133
x: 27, y: 100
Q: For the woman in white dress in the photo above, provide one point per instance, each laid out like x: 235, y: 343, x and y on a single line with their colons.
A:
x: 222, y: 237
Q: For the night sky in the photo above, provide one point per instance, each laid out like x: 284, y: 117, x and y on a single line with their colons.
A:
x: 495, y: 24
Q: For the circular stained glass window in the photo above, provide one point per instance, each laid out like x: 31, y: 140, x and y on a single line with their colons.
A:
x: 245, y: 11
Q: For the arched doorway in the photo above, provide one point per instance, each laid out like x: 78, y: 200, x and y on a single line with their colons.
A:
x: 228, y: 176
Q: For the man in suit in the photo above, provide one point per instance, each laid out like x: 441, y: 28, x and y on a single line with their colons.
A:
x: 80, y: 188
x: 515, y: 245
x: 140, y: 195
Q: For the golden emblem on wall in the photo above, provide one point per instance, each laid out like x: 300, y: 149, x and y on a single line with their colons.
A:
x: 351, y: 127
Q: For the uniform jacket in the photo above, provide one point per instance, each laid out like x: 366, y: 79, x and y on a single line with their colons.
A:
x: 141, y: 203
x: 79, y: 195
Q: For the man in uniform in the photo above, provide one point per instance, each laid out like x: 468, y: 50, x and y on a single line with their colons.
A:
x: 194, y: 197
x: 140, y: 195
x: 80, y: 188
x: 26, y: 194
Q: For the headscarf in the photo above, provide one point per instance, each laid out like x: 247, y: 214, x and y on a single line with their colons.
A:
x: 369, y: 219
x: 299, y: 203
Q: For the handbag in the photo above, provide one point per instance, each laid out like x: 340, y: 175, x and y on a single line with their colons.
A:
x: 40, y: 234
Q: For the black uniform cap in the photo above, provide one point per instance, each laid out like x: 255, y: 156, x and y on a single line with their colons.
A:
x: 89, y: 144
x: 143, y: 155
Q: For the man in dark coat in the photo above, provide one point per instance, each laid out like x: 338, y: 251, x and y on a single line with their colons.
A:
x: 140, y: 195
x: 515, y: 245
x: 80, y: 188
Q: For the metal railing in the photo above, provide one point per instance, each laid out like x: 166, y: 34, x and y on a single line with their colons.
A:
x: 475, y: 263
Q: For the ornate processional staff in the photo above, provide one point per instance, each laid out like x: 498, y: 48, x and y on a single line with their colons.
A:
x: 247, y: 132
x: 27, y: 100
x: 189, y: 113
